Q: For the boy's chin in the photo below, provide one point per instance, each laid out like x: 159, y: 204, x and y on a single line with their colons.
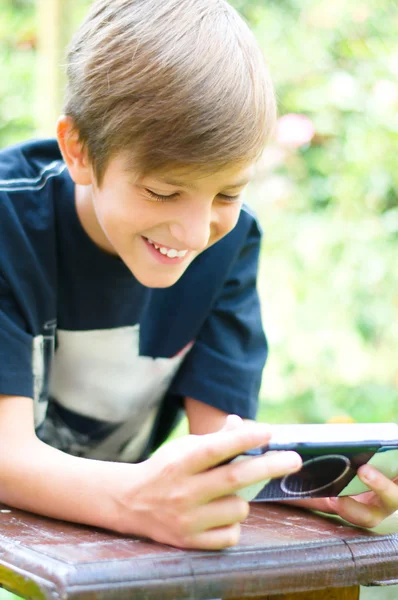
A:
x: 156, y: 280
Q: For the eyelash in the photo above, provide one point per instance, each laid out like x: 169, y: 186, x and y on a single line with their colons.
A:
x: 160, y: 198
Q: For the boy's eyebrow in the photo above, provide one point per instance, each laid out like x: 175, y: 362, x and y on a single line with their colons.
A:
x: 192, y: 186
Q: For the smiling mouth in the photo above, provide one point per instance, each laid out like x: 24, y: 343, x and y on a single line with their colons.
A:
x: 169, y: 252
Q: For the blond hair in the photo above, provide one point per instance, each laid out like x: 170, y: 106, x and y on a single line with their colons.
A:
x: 174, y: 83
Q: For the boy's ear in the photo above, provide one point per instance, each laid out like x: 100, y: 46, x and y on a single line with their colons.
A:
x: 75, y: 156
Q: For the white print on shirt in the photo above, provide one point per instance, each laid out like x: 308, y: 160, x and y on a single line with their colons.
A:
x: 99, y: 374
x: 43, y: 354
x: 40, y: 403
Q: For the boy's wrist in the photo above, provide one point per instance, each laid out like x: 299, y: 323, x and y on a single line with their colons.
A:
x: 126, y: 508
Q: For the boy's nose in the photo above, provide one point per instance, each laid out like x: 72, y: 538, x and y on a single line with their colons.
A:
x: 192, y: 230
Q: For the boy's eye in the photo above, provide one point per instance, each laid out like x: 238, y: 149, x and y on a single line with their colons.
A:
x: 160, y: 197
x: 230, y: 198
x: 164, y: 198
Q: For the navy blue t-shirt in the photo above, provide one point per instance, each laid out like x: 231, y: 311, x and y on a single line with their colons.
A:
x: 106, y: 360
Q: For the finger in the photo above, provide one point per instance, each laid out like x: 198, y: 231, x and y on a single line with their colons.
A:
x: 357, y: 513
x: 214, y: 448
x: 232, y: 422
x: 214, y: 539
x: 228, y: 479
x: 385, y: 489
x: 218, y: 513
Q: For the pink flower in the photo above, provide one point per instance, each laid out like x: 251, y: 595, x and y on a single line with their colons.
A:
x: 294, y: 130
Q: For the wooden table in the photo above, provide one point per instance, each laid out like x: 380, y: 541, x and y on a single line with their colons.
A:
x: 284, y: 553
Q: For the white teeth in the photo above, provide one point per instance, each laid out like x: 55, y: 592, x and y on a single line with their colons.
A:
x: 171, y: 253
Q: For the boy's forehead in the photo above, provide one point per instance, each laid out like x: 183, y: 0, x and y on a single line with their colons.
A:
x: 189, y: 176
x: 233, y: 176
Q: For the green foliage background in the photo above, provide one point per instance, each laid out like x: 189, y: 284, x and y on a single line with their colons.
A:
x: 330, y: 211
x: 329, y: 208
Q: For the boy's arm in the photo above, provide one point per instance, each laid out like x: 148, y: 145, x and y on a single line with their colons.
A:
x: 203, y: 418
x: 41, y: 479
x: 175, y: 497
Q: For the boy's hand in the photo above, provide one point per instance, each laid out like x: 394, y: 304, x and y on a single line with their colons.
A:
x: 182, y: 497
x: 367, y: 509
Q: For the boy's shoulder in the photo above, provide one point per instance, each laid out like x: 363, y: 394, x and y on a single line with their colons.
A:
x: 31, y: 179
x: 27, y: 165
x: 250, y: 218
x: 30, y: 187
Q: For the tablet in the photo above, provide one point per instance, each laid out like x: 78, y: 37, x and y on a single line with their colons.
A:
x: 331, y: 455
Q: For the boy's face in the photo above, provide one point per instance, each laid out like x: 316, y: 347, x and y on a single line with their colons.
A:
x: 158, y: 224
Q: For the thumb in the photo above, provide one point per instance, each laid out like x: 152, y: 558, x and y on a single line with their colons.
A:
x: 232, y: 422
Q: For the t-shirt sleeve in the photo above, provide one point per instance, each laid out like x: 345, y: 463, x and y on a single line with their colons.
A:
x: 224, y: 366
x: 16, y: 346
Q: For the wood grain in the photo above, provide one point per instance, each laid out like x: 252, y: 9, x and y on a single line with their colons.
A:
x: 351, y: 593
x: 284, y: 553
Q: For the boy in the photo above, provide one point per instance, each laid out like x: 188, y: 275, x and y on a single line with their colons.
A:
x: 127, y: 280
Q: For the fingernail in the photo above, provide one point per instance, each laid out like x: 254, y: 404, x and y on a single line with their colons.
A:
x: 367, y: 474
x: 234, y: 419
x: 232, y: 422
x: 296, y: 463
x: 293, y: 461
